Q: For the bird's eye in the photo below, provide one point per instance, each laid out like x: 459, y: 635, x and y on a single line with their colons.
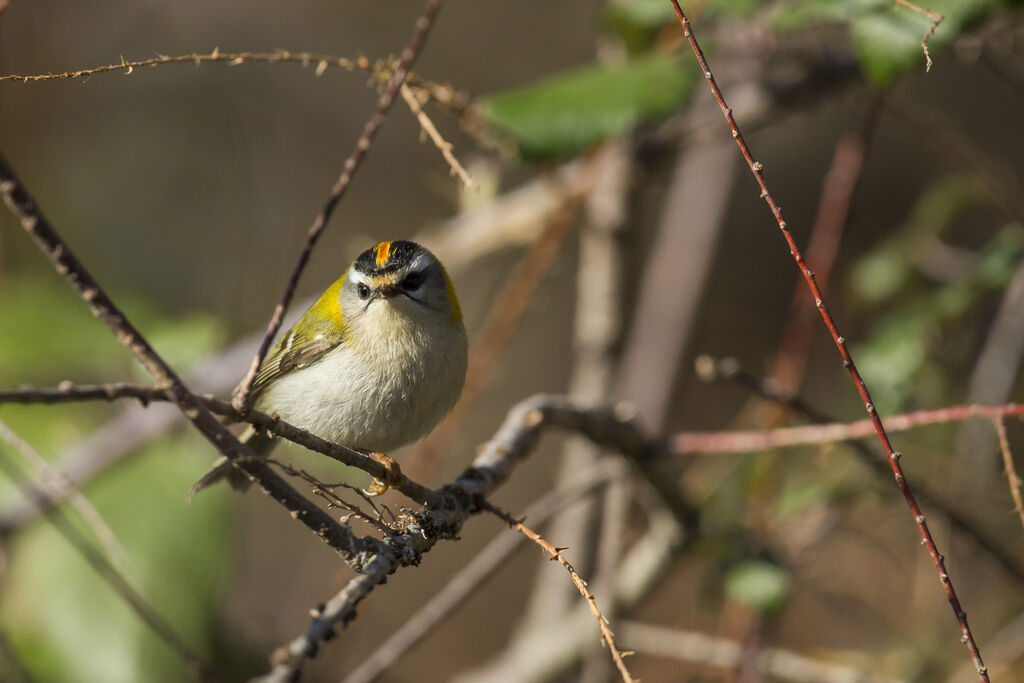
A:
x: 412, y: 282
x: 363, y: 290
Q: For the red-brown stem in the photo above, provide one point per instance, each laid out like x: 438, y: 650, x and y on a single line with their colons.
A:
x: 352, y: 163
x: 822, y: 248
x: 759, y: 440
x: 926, y: 537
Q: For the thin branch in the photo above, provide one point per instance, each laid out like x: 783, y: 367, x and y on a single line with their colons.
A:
x: 442, y: 145
x: 919, y: 518
x: 746, y: 441
x: 692, y: 646
x: 352, y: 163
x: 306, y: 59
x: 67, y: 264
x: 936, y: 20
x: 109, y: 573
x: 607, y: 637
x: 68, y: 392
x: 823, y: 245
x: 52, y: 478
x: 1011, y: 471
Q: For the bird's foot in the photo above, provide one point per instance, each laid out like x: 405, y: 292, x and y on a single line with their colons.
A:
x: 394, y: 474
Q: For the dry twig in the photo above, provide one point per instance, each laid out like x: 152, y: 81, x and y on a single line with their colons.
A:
x: 936, y: 20
x: 442, y: 145
x: 1011, y: 471
x: 607, y: 637
x: 893, y: 455
x: 306, y: 59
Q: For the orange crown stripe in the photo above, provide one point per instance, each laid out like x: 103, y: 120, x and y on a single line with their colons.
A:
x: 382, y: 251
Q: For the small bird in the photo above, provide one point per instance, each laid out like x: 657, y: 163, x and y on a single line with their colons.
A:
x: 374, y: 364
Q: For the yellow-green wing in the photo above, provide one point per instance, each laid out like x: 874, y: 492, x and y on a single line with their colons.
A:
x: 319, y: 330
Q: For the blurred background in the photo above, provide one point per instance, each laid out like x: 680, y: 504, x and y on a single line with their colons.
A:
x: 616, y: 249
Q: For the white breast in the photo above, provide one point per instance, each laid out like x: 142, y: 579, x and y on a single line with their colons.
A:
x: 381, y: 395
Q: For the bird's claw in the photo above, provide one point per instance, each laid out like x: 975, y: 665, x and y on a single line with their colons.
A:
x: 394, y: 475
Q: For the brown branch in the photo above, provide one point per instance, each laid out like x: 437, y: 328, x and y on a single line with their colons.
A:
x: 430, y: 129
x: 686, y: 443
x: 607, y: 637
x: 692, y: 646
x: 67, y: 392
x: 822, y: 247
x: 109, y: 573
x: 1011, y: 471
x: 936, y: 20
x: 915, y: 510
x: 352, y: 163
x: 350, y: 547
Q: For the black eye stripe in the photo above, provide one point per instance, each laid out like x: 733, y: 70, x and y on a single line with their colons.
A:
x: 413, y: 281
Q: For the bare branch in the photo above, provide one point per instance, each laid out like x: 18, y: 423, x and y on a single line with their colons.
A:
x: 442, y: 145
x: 691, y: 646
x: 743, y: 441
x: 919, y: 518
x: 1011, y: 471
x: 352, y: 163
x: 607, y: 637
x: 306, y: 59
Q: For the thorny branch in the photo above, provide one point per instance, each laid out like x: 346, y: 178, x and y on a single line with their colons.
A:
x: 430, y: 129
x: 893, y: 455
x: 352, y: 163
x: 607, y: 637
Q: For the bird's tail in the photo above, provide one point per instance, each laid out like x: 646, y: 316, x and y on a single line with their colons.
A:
x: 258, y: 441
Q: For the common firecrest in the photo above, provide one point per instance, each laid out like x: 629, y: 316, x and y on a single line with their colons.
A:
x: 374, y: 364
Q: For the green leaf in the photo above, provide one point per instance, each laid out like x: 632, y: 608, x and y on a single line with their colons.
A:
x: 569, y: 112
x: 759, y: 585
